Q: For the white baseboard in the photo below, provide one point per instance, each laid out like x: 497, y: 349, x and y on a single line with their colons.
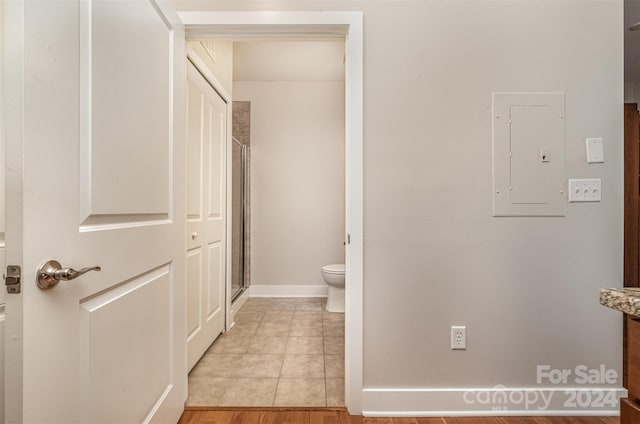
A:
x: 496, y: 401
x: 264, y: 290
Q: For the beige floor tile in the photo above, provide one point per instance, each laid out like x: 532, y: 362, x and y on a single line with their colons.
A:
x: 273, y: 329
x: 303, y: 366
x: 309, y: 307
x: 258, y: 301
x: 306, y: 328
x: 255, y: 366
x: 307, y: 316
x: 230, y: 343
x: 264, y: 344
x: 244, y: 317
x: 252, y: 307
x: 304, y: 346
x: 238, y: 365
x: 302, y: 300
x: 266, y: 304
x: 334, y: 366
x: 300, y: 392
x: 332, y: 316
x: 250, y: 392
x: 334, y: 345
x: 277, y: 316
x: 276, y: 304
x: 244, y: 328
x: 335, y: 391
x: 206, y: 391
x: 217, y: 365
x: 332, y: 328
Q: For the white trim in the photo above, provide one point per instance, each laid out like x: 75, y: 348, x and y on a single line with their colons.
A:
x: 495, y: 401
x: 302, y: 24
x: 508, y: 413
x: 208, y: 75
x: 354, y: 225
x: 288, y: 23
x: 299, y: 290
x: 13, y: 120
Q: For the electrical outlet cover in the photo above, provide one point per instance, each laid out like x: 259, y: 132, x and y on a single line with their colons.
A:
x: 458, y: 337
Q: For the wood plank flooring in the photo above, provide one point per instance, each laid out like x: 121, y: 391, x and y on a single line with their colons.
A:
x: 341, y: 416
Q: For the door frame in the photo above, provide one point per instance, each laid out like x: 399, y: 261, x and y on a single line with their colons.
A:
x: 300, y: 25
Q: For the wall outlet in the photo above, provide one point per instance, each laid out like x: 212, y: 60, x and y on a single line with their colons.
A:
x: 458, y: 337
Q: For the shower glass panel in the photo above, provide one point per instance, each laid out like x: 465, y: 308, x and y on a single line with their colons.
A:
x: 238, y: 217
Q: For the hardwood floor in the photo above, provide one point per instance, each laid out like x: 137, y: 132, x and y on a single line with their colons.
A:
x: 341, y: 416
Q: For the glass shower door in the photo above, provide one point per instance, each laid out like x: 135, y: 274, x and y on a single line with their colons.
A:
x: 238, y: 227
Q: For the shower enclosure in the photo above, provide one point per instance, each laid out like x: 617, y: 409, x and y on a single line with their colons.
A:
x: 238, y: 217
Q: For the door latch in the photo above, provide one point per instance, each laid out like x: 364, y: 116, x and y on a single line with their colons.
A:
x: 12, y: 279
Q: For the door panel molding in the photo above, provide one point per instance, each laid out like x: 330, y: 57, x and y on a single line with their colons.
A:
x: 112, y: 189
x: 113, y: 351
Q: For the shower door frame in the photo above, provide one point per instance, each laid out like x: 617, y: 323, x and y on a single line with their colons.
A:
x: 304, y: 25
x: 243, y: 220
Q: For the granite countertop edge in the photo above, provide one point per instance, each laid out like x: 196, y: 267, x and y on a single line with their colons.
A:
x: 625, y: 300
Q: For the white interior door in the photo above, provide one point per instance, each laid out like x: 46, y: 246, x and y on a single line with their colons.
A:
x: 206, y: 214
x: 96, y: 176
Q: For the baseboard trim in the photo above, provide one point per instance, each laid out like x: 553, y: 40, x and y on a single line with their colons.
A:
x: 264, y: 290
x: 495, y: 401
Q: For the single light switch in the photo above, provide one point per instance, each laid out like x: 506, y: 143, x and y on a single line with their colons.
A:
x: 595, y: 150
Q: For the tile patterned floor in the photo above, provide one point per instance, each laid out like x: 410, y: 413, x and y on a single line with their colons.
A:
x: 280, y: 352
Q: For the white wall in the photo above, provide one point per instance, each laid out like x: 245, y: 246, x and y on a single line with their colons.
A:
x: 318, y: 60
x: 297, y: 180
x: 526, y: 288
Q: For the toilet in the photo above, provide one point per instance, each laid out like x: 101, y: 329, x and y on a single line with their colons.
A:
x: 333, y: 275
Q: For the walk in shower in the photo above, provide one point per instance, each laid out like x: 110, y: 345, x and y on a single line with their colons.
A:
x: 239, y: 228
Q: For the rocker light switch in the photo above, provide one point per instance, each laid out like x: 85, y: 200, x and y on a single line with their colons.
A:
x: 595, y: 150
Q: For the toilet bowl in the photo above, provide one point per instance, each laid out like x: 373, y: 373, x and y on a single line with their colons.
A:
x: 333, y: 275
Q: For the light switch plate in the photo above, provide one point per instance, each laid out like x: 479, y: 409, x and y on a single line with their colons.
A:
x: 595, y: 150
x: 585, y: 190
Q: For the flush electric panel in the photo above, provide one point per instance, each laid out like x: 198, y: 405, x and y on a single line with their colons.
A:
x: 528, y: 154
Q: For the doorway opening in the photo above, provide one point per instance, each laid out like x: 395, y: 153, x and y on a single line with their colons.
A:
x: 283, y: 347
x: 312, y: 25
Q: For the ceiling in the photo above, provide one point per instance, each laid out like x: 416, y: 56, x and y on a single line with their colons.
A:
x: 288, y: 60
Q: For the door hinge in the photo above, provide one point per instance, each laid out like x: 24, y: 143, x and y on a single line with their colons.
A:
x: 348, y: 238
x: 12, y: 279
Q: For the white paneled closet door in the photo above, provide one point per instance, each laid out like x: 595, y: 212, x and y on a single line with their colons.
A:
x: 206, y: 218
